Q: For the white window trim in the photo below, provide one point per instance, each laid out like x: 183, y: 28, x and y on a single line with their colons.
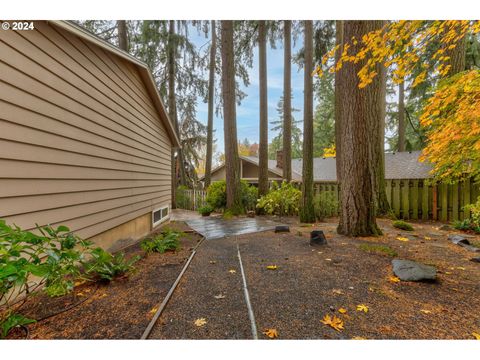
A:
x: 155, y: 224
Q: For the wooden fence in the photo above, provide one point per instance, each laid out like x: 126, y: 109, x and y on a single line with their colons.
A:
x: 415, y: 199
x: 190, y: 199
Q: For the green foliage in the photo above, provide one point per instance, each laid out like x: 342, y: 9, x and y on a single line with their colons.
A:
x: 466, y: 225
x: 106, y: 266
x: 228, y: 215
x: 379, y: 249
x: 400, y: 224
x: 12, y: 320
x: 217, y: 195
x: 281, y: 200
x: 167, y: 241
x: 182, y: 200
x: 475, y: 212
x: 325, y: 205
x: 206, y: 210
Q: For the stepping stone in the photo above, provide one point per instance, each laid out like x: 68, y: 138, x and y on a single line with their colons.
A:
x: 408, y: 270
x: 445, y: 227
x: 317, y: 237
x: 475, y: 259
x: 282, y: 228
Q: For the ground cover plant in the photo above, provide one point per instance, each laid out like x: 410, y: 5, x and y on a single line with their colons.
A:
x: 166, y: 241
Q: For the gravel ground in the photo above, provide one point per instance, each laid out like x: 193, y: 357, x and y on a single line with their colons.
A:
x: 208, y: 276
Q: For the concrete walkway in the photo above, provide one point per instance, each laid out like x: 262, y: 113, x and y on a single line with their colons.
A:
x: 217, y: 227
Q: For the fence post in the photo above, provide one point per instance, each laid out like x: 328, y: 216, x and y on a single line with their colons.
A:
x: 425, y: 198
x: 414, y: 202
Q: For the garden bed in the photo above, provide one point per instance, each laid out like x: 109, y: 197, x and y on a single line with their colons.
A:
x: 118, y: 310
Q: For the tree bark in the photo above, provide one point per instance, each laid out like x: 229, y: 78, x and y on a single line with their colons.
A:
x: 401, y: 117
x: 232, y: 161
x: 263, y: 146
x: 172, y: 105
x: 211, y: 91
x: 338, y: 100
x: 359, y: 143
x: 307, y: 213
x: 122, y: 35
x: 457, y: 56
x: 287, y: 101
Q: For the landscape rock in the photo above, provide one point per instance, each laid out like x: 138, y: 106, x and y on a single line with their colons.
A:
x: 475, y: 259
x: 317, y: 237
x: 458, y: 239
x: 408, y: 270
x: 282, y: 228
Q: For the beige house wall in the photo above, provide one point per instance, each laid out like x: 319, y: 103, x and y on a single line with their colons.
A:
x: 81, y: 140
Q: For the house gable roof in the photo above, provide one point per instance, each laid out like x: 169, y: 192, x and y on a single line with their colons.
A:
x: 143, y: 70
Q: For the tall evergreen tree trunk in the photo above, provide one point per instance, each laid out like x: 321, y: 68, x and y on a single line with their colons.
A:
x: 211, y: 90
x: 457, y: 56
x: 287, y: 101
x: 172, y: 105
x: 401, y: 117
x: 263, y: 146
x: 338, y: 99
x: 122, y: 35
x: 359, y: 142
x: 307, y: 213
x: 378, y: 120
x: 232, y: 161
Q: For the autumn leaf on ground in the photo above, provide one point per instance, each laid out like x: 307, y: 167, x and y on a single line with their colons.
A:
x: 425, y: 311
x: 272, y: 267
x: 358, y: 338
x: 427, y: 238
x: 78, y: 283
x: 271, y: 333
x: 394, y: 279
x: 102, y: 296
x: 328, y: 259
x: 334, y: 322
x: 362, y: 307
x: 460, y: 268
x: 476, y: 335
x: 219, y: 296
x: 80, y: 294
x: 154, y: 310
x: 342, y: 311
x: 402, y: 238
x: 232, y: 271
x: 337, y: 291
x: 212, y: 262
x: 200, y: 322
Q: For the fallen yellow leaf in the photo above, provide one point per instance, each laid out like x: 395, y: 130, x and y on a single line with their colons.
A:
x: 334, y: 322
x: 362, y: 307
x: 219, y: 296
x: 427, y: 238
x: 80, y: 294
x: 460, y: 268
x: 212, y: 262
x: 358, y: 338
x: 232, y: 271
x: 402, y: 238
x: 448, y: 273
x: 102, y: 296
x: 271, y: 333
x: 328, y: 259
x: 272, y: 267
x: 425, y: 311
x: 394, y: 279
x: 476, y: 335
x: 342, y: 311
x: 337, y: 291
x: 154, y: 310
x: 200, y: 322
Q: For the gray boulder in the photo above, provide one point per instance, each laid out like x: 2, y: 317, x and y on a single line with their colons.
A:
x: 458, y: 239
x: 408, y: 270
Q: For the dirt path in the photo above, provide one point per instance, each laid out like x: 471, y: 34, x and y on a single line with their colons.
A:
x: 210, y: 274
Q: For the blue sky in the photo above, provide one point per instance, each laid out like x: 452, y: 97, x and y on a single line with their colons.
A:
x: 248, y: 112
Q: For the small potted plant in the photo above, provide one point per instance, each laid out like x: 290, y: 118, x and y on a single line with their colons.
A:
x: 205, y: 210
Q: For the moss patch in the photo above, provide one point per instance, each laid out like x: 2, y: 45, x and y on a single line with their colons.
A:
x: 400, y: 224
x: 378, y: 249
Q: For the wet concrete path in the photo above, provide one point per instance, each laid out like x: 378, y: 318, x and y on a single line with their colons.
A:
x: 217, y: 227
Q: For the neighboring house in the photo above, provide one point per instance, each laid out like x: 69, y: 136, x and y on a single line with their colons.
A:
x: 403, y: 165
x: 85, y: 140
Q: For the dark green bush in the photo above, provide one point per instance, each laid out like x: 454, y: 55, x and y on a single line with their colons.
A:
x: 379, y: 249
x: 281, y: 200
x: 182, y: 200
x: 168, y: 240
x: 325, y: 205
x: 106, y: 266
x: 466, y: 225
x: 400, y: 224
x: 206, y: 210
x: 217, y: 195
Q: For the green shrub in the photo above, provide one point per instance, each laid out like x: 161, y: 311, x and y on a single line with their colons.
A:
x: 30, y: 261
x: 400, y: 224
x: 182, y: 199
x: 466, y: 225
x: 379, y: 249
x: 206, y: 210
x: 475, y: 213
x: 325, y: 206
x: 217, y: 195
x: 168, y: 240
x: 281, y: 200
x: 106, y: 266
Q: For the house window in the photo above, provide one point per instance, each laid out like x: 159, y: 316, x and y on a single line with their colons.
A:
x: 159, y: 215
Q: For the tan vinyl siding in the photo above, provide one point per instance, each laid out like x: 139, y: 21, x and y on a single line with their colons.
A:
x: 81, y: 140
